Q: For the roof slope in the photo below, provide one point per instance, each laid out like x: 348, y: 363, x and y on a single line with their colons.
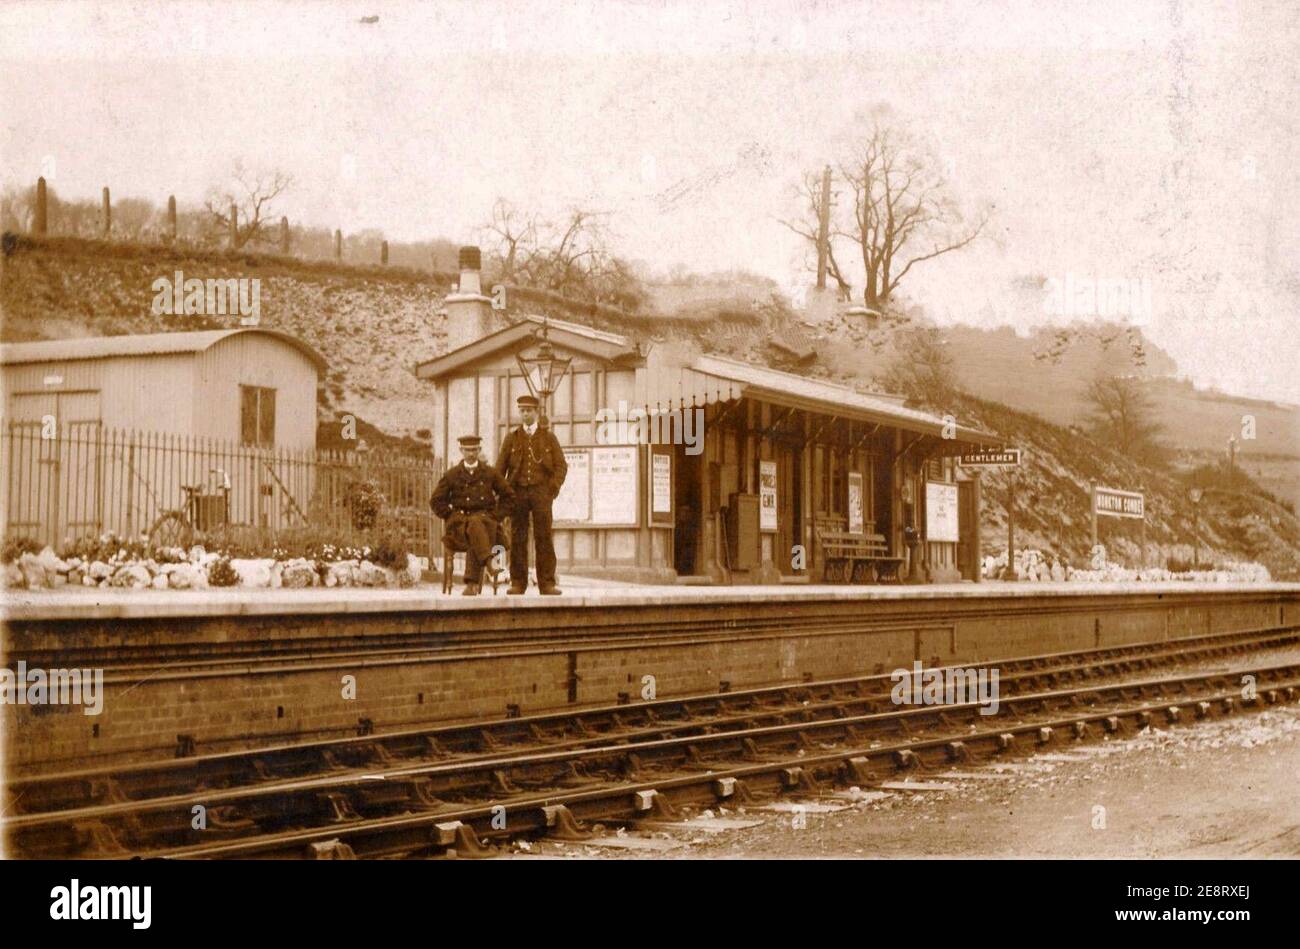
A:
x: 148, y: 344
x: 703, y: 379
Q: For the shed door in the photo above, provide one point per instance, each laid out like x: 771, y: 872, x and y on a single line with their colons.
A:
x: 55, y: 482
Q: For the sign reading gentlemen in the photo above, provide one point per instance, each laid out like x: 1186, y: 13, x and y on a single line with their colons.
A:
x: 533, y: 464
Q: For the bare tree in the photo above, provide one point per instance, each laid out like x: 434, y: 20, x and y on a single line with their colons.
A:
x: 251, y: 193
x: 571, y: 257
x: 514, y: 235
x: 1120, y: 415
x: 902, y: 212
x: 922, y: 368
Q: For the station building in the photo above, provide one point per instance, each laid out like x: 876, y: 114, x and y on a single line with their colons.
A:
x: 687, y: 467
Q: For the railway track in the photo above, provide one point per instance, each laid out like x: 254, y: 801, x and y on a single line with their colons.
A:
x: 422, y: 790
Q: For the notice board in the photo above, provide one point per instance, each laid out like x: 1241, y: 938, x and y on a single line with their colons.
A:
x: 601, y: 489
x: 661, y: 484
x: 767, y: 495
x: 614, y: 479
x: 940, y: 511
x: 857, y: 522
x: 573, y: 503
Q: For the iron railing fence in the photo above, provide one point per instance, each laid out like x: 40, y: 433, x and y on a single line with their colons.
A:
x: 80, y: 480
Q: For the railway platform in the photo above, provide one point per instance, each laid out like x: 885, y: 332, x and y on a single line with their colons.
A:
x: 229, y: 669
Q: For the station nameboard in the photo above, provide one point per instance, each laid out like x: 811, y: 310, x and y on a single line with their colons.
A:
x: 991, y: 459
x: 1115, y: 503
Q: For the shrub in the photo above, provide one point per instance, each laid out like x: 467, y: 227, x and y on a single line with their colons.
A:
x: 221, y: 573
x: 390, y: 553
x: 364, y: 500
x: 15, y: 547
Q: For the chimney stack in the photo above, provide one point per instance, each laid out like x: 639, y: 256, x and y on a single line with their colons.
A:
x: 468, y: 311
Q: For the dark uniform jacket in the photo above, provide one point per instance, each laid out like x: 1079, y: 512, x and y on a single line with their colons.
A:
x: 462, y: 492
x: 530, y: 460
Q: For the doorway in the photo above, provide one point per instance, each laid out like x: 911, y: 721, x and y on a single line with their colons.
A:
x: 688, y: 511
x: 967, y: 529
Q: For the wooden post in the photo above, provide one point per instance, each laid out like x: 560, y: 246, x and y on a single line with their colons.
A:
x: 1011, y: 527
x: 383, y: 253
x: 1143, y: 561
x: 171, y: 218
x: 1092, y: 491
x: 338, y: 245
x: 234, y: 226
x: 106, y: 218
x: 42, y: 221
x: 977, y: 553
x: 1196, y: 535
x: 284, y: 235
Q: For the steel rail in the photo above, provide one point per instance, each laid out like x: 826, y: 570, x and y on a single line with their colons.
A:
x: 426, y: 786
x: 258, y: 767
x: 640, y: 796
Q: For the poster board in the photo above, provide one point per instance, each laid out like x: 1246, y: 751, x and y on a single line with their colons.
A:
x: 614, y: 480
x: 767, y: 495
x: 602, y: 488
x: 940, y: 511
x: 660, y: 494
x: 573, y: 503
x: 857, y: 521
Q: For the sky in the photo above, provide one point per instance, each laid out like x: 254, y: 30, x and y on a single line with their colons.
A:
x: 1150, y: 143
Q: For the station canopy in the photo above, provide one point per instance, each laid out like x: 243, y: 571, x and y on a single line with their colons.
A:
x: 682, y: 380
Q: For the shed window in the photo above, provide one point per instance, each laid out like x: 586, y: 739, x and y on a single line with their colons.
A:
x: 257, y: 416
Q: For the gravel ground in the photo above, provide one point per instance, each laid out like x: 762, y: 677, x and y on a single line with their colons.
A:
x: 1220, y: 788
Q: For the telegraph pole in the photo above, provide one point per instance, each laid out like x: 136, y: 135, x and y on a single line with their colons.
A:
x: 823, y: 228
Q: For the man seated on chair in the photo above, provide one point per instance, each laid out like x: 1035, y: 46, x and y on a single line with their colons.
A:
x: 472, y: 498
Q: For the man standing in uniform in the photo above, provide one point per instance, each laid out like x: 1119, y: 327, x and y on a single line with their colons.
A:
x: 533, y: 464
x: 472, y: 498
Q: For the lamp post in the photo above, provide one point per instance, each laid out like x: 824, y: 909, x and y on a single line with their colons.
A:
x: 1195, y: 495
x: 543, y: 372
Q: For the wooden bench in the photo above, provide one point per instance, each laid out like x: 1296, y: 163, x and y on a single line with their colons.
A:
x: 857, y: 558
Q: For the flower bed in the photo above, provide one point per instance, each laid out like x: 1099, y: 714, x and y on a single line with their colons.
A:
x: 109, y: 561
x: 1031, y: 565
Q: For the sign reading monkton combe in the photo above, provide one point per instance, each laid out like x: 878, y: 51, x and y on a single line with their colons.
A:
x: 1115, y: 503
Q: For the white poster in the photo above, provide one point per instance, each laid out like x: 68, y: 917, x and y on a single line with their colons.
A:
x: 613, y: 485
x: 661, y: 481
x: 940, y: 511
x: 573, y: 503
x: 857, y: 523
x: 767, y: 495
